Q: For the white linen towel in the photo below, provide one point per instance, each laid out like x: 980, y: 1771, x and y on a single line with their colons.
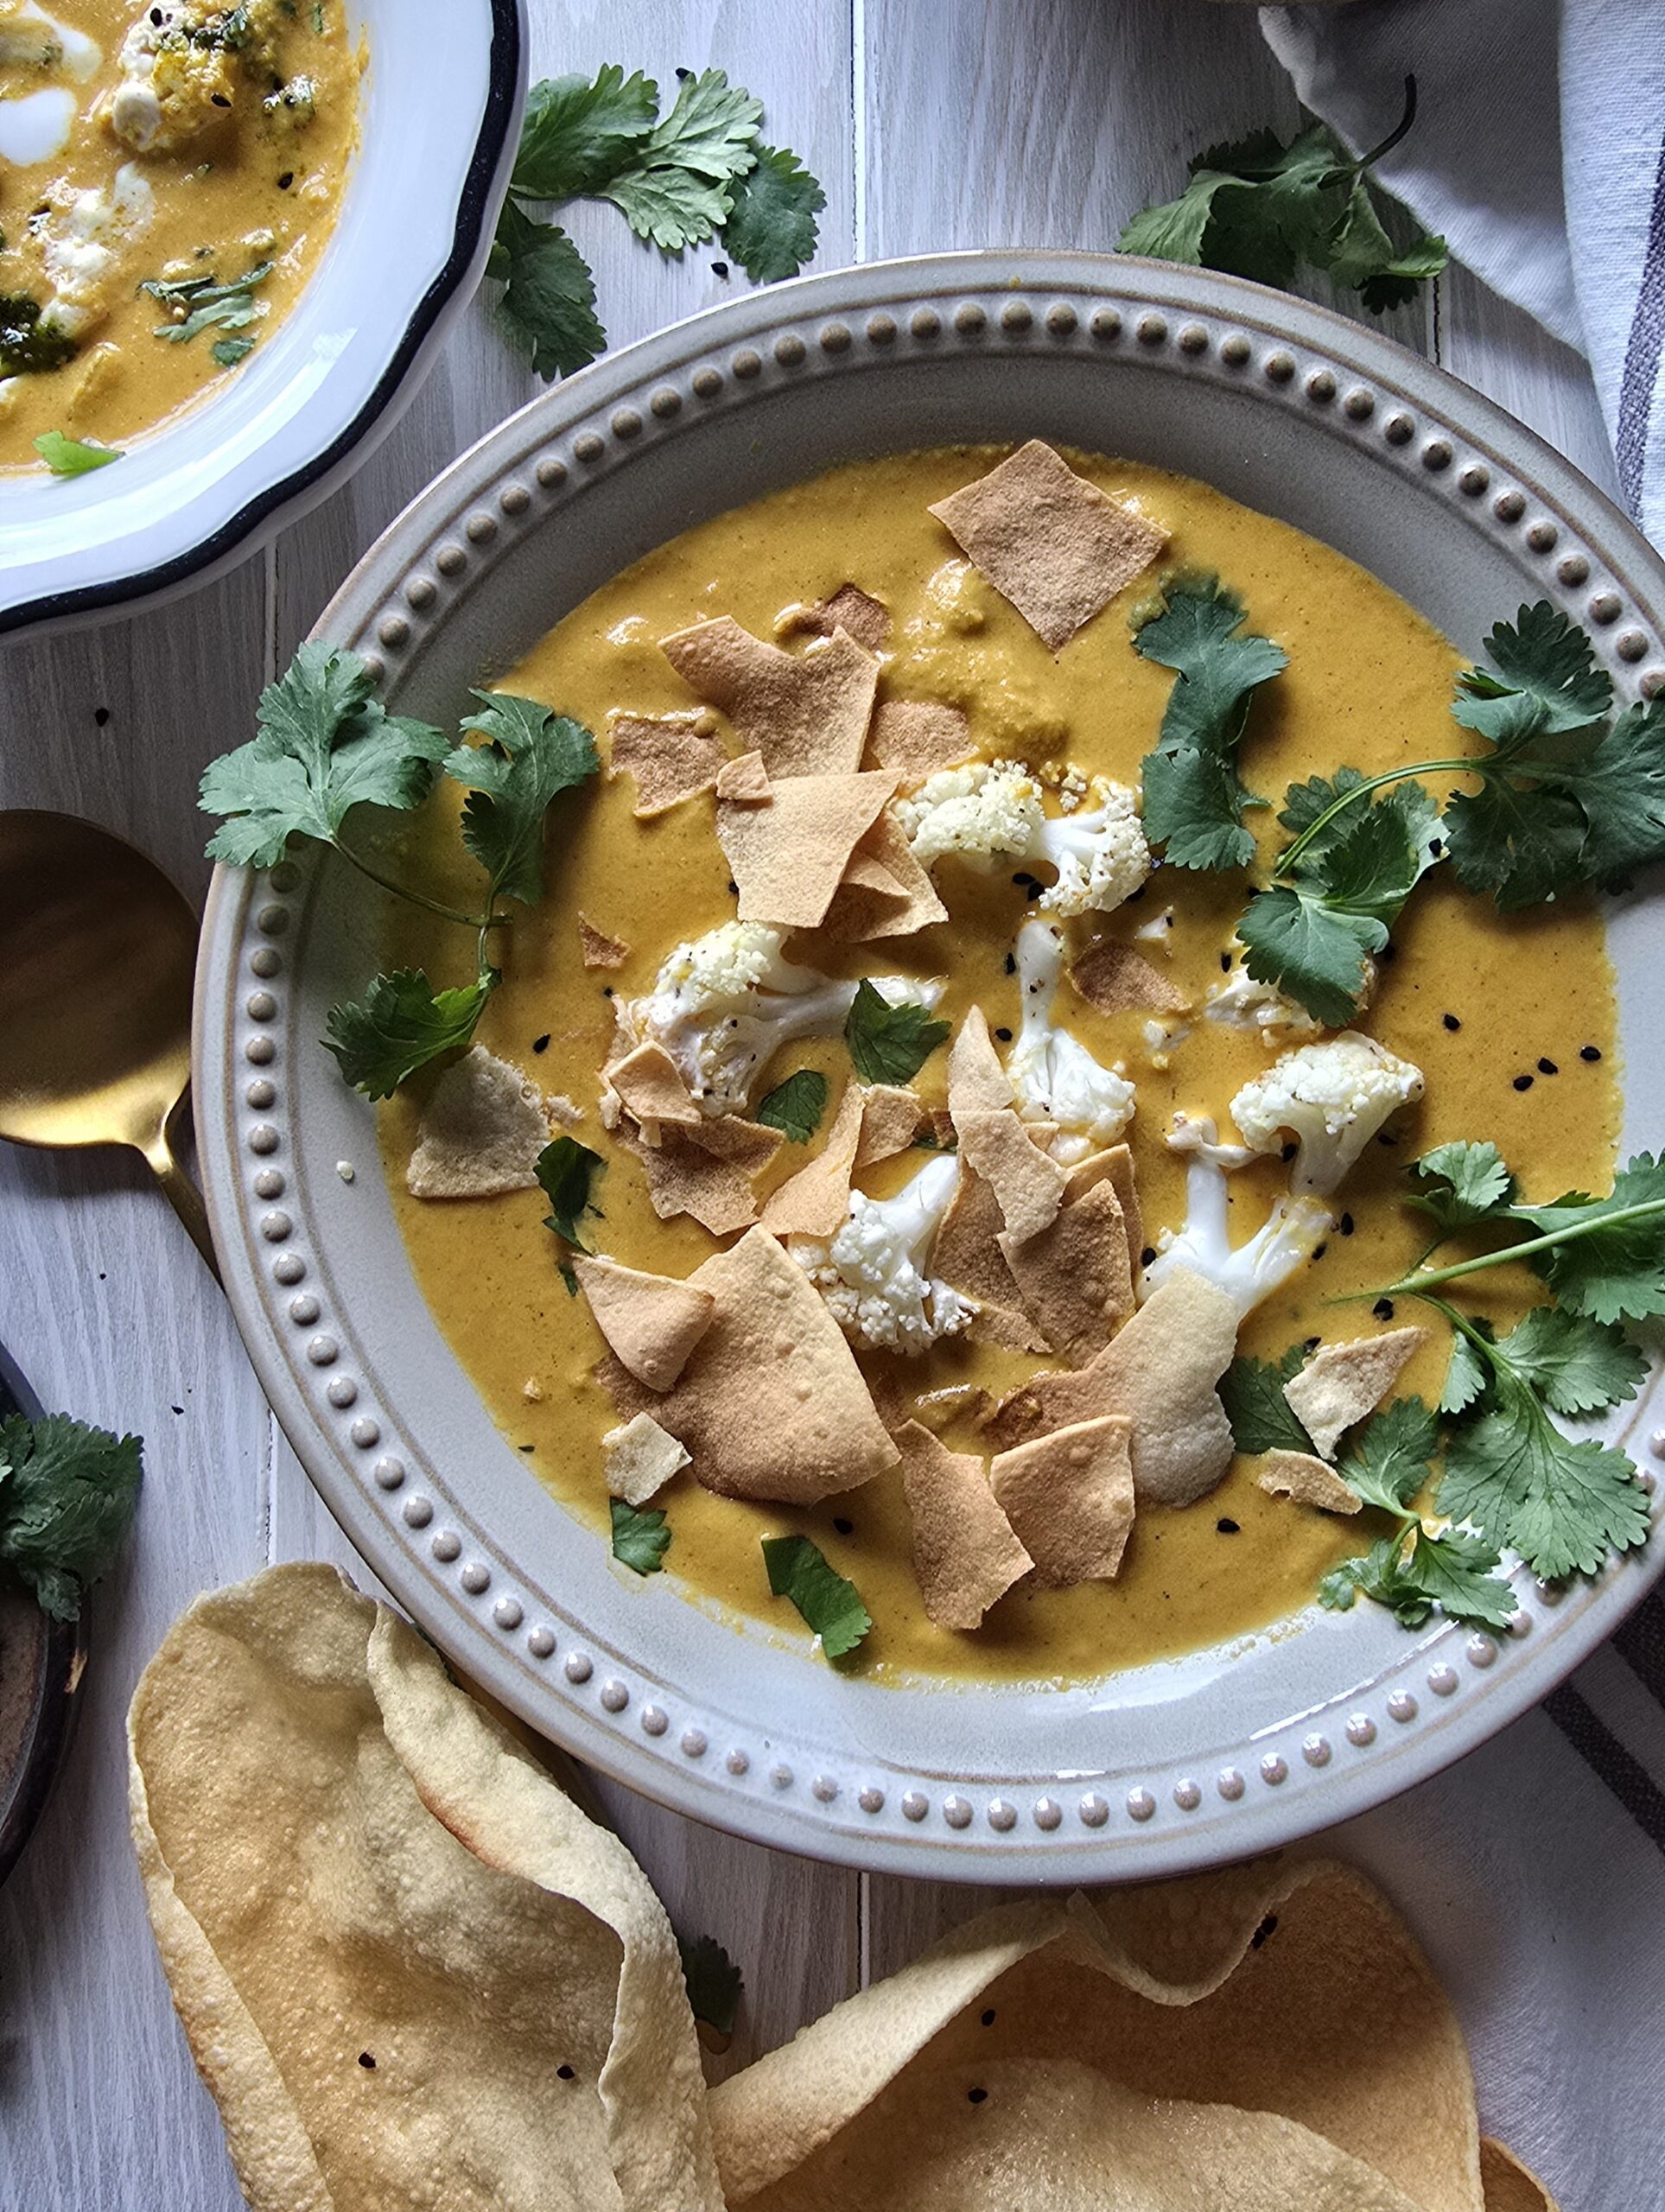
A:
x: 1539, y: 155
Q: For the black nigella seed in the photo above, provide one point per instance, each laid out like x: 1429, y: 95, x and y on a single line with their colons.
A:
x: 1133, y: 897
x: 1225, y: 963
x: 1005, y: 1036
x: 1346, y: 1224
x: 1387, y: 1137
x: 1451, y: 1022
x: 1227, y: 1527
x: 1523, y: 1082
x: 101, y: 716
x: 1547, y: 1067
x: 541, y: 1044
x: 286, y: 179
x: 720, y: 269
x: 1436, y: 846
x: 975, y: 2096
x: 844, y: 1527
x: 1589, y: 1051
x: 1148, y: 1257
x: 733, y: 888
x: 366, y: 2061
x: 564, y: 2073
x: 1011, y: 963
x: 988, y: 2018
x: 1268, y: 1927
x: 529, y: 1447
x: 1383, y: 1309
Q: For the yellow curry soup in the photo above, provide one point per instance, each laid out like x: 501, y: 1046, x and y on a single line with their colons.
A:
x: 1485, y: 1008
x: 199, y: 149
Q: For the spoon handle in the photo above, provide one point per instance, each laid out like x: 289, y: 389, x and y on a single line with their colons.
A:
x: 182, y: 1194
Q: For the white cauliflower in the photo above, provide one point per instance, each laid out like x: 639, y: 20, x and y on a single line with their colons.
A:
x: 1333, y: 1097
x: 723, y: 1005
x: 874, y: 1273
x: 1247, y: 1273
x: 31, y: 39
x: 1056, y: 1077
x: 181, y: 69
x: 84, y: 237
x: 1100, y: 852
x: 986, y: 813
x: 1240, y: 1001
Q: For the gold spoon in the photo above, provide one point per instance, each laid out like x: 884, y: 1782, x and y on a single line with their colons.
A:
x: 98, y: 952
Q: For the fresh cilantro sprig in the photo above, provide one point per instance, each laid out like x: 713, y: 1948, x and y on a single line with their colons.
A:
x: 831, y: 1605
x: 796, y: 1107
x: 1261, y: 1418
x: 1568, y: 795
x: 697, y: 172
x: 67, y: 1497
x: 889, y: 1044
x: 1193, y: 802
x: 1261, y: 208
x: 326, y: 745
x: 714, y: 1982
x: 640, y: 1539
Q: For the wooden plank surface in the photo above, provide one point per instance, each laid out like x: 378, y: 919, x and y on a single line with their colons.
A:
x: 932, y: 126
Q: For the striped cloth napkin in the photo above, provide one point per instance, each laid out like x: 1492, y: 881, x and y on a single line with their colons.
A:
x: 1539, y: 155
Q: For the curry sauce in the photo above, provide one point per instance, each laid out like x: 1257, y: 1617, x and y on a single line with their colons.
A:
x: 1510, y: 1020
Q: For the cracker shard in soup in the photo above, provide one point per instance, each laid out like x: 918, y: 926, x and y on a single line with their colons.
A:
x: 1342, y: 1382
x: 481, y: 1131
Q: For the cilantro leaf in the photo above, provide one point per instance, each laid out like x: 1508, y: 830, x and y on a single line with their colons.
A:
x: 1261, y: 1418
x: 399, y: 1026
x: 1388, y: 1464
x: 677, y: 189
x: 1543, y: 680
x: 771, y: 230
x: 1291, y: 937
x: 1462, y: 1183
x: 1193, y: 802
x: 1576, y: 1365
x: 566, y: 1172
x: 889, y: 1044
x: 1619, y: 785
x: 795, y: 1107
x: 67, y: 457
x: 1562, y: 1505
x: 1614, y: 1268
x: 67, y: 1497
x: 713, y: 1981
x: 579, y: 133
x: 530, y: 757
x: 640, y: 1539
x: 831, y: 1606
x: 1365, y: 259
x: 548, y: 306
x: 1520, y: 841
x: 1453, y: 1569
x: 326, y: 744
x: 1467, y: 1374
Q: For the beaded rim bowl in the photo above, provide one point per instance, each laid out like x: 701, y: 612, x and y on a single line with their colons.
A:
x: 1174, y: 1766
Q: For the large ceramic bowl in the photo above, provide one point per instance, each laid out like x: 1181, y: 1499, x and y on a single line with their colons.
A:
x: 422, y: 200
x: 1288, y: 408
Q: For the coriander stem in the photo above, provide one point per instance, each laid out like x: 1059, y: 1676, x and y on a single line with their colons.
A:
x: 1418, y: 1286
x: 1292, y: 852
x: 419, y: 898
x: 1398, y: 132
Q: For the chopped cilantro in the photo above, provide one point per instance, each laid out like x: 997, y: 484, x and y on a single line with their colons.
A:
x: 71, y: 456
x: 67, y: 1497
x: 1193, y: 803
x: 714, y: 1982
x: 27, y: 347
x: 640, y: 1539
x: 228, y: 352
x: 1462, y: 1183
x: 831, y: 1605
x: 399, y: 1026
x: 1452, y: 1568
x: 795, y: 1107
x: 889, y: 1044
x: 566, y: 1173
x: 209, y: 305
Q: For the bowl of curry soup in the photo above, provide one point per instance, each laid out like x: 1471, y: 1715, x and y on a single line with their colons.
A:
x: 873, y: 1250
x: 232, y: 234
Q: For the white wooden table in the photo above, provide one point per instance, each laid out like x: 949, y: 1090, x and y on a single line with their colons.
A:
x: 933, y: 123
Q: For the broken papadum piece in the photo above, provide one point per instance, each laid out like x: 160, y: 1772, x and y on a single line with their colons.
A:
x: 1049, y: 541
x: 1075, y: 1276
x: 815, y: 1201
x: 705, y: 1170
x: 965, y: 1554
x: 672, y: 757
x: 1298, y: 1476
x: 867, y: 619
x: 968, y: 1257
x: 918, y: 737
x: 744, y: 781
x: 480, y: 1132
x: 788, y: 856
x: 807, y: 714
x: 639, y: 1459
x: 1114, y: 979
x: 597, y: 949
x: 884, y: 892
x: 1070, y: 1497
x: 1027, y: 1182
x: 651, y: 1322
x: 650, y: 1086
x: 1342, y: 1382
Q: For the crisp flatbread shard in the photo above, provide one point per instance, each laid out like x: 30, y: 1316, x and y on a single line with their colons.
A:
x: 706, y: 1170
x: 1114, y: 979
x: 597, y: 949
x: 342, y: 1854
x: 1298, y: 1476
x: 1027, y: 1182
x: 965, y: 1554
x: 1049, y: 541
x: 916, y: 737
x: 639, y: 1460
x: 1069, y: 1496
x: 745, y: 781
x: 807, y: 714
x: 977, y: 1081
x: 1331, y: 2020
x: 672, y: 757
x: 480, y: 1132
x: 772, y: 1404
x: 1342, y: 1382
x: 651, y: 1322
x: 814, y: 1201
x: 968, y: 1256
x: 867, y: 619
x: 789, y: 856
x: 650, y: 1087
x: 1075, y: 1276
x: 890, y: 1121
x: 884, y: 891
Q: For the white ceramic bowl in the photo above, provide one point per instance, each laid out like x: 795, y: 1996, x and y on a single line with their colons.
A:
x: 441, y: 117
x: 1234, y: 1749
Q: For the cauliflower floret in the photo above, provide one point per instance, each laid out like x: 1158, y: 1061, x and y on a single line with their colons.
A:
x: 1242, y: 1001
x: 875, y: 1273
x: 1101, y: 855
x: 1332, y: 1096
x: 723, y: 1005
x: 1286, y: 1240
x: 985, y: 813
x: 182, y: 67
x: 980, y: 813
x: 1056, y: 1077
x: 84, y: 237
